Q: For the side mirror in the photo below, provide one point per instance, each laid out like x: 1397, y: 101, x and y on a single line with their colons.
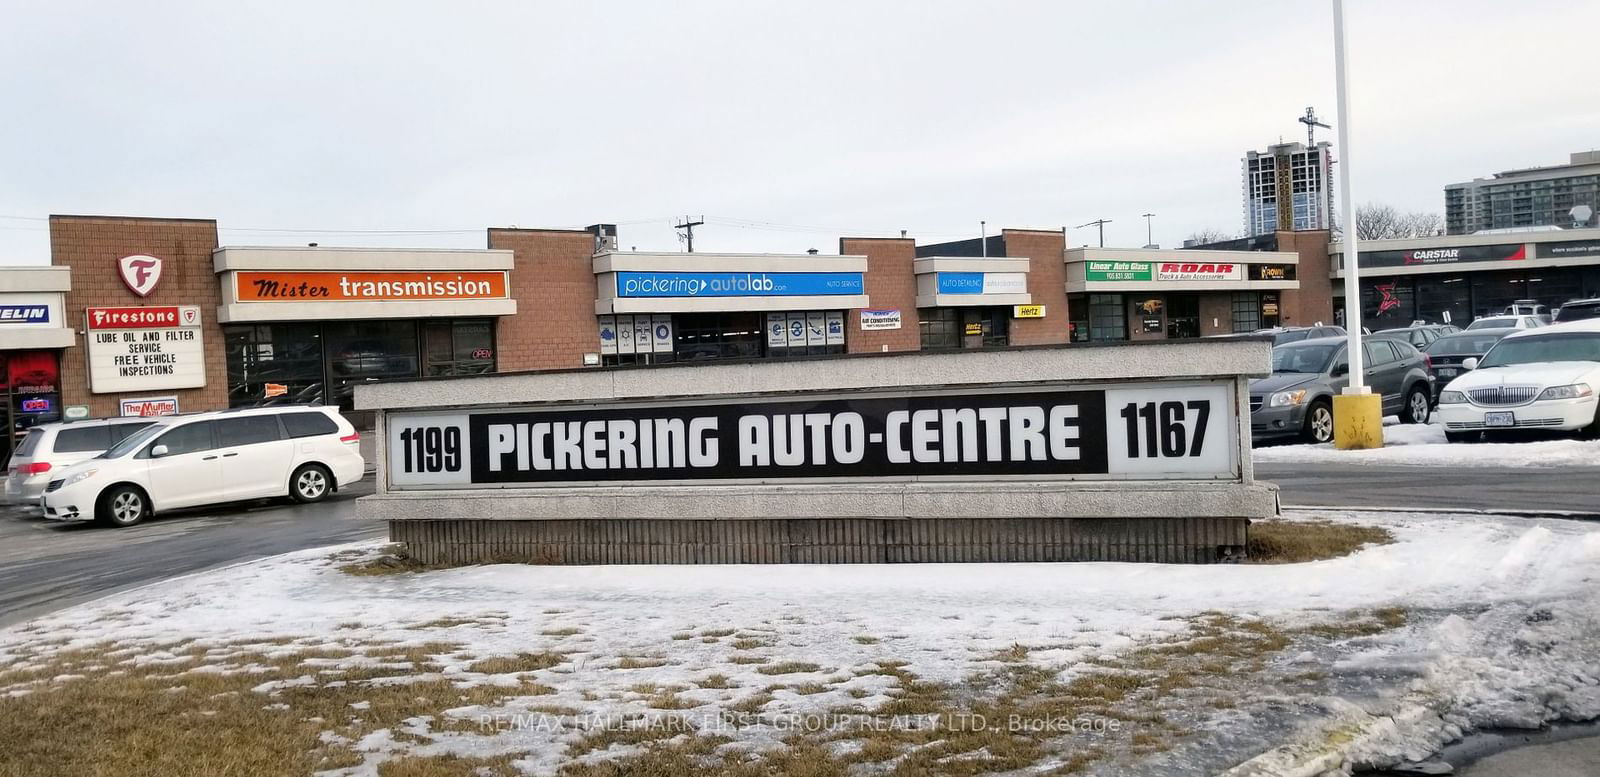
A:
x: 1339, y: 370
x: 158, y: 451
x: 1470, y: 363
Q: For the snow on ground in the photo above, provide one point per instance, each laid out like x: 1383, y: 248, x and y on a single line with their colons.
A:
x: 1503, y: 628
x: 1423, y: 445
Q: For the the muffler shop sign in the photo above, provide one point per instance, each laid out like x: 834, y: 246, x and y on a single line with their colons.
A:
x: 1146, y: 431
x: 144, y: 348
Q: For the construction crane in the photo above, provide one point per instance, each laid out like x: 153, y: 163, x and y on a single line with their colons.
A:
x: 1312, y: 123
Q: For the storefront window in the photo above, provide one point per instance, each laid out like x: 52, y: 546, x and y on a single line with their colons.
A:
x: 273, y: 363
x: 941, y: 328
x: 1493, y: 291
x: 32, y: 393
x: 734, y: 335
x: 1183, y: 316
x: 1078, y: 318
x: 1108, y: 318
x: 366, y: 351
x: 459, y: 347
x: 1437, y: 297
x: 1246, y: 311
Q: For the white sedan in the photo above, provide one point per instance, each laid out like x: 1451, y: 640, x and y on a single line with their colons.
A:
x: 1544, y: 378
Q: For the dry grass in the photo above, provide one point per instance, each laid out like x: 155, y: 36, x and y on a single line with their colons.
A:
x: 640, y: 662
x: 521, y: 662
x: 1292, y: 542
x: 789, y: 667
x: 167, y: 720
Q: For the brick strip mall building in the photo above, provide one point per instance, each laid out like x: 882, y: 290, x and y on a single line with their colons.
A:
x: 146, y: 315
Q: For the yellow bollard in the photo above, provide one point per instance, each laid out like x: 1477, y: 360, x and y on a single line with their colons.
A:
x: 1357, y: 421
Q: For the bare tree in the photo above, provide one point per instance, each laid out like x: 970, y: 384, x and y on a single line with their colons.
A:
x: 1201, y: 237
x: 1376, y: 221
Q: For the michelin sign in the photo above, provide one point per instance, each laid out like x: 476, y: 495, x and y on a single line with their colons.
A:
x: 1117, y: 432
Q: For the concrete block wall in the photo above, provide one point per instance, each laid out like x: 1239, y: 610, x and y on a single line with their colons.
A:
x: 554, y: 284
x: 890, y: 283
x: 91, y: 246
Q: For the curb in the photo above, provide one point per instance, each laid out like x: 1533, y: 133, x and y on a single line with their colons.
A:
x: 1572, y: 515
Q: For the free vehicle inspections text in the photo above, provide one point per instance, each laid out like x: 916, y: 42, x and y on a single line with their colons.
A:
x: 1068, y: 433
x: 739, y: 284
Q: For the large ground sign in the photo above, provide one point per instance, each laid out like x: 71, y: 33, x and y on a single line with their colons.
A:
x: 1153, y: 430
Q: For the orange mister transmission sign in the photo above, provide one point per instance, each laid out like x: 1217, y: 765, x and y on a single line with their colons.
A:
x: 262, y: 286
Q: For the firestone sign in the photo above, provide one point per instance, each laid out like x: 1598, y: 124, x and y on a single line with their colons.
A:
x: 139, y: 273
x: 145, y: 348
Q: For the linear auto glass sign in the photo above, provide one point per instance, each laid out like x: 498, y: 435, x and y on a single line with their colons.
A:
x: 1118, y: 271
x: 1145, y: 431
x: 738, y: 284
x: 1426, y: 256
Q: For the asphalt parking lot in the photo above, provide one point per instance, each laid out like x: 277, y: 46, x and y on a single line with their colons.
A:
x: 45, y: 565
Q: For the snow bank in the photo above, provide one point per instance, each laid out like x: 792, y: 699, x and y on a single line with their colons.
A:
x: 1504, y: 619
x: 1423, y: 445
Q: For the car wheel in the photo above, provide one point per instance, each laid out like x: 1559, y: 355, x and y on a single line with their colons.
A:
x: 1417, y: 407
x: 1463, y: 436
x: 123, y: 506
x: 1319, y: 422
x: 310, y: 483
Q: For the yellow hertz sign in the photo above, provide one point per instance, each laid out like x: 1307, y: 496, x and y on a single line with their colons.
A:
x: 1027, y: 311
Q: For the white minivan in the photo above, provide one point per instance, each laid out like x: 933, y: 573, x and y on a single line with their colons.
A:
x: 301, y: 452
x: 50, y: 448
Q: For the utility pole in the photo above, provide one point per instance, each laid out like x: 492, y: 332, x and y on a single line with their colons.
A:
x: 1356, y: 409
x: 1148, y: 240
x: 1101, y: 223
x: 688, y: 228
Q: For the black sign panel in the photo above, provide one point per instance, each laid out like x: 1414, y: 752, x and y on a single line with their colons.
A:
x: 1045, y: 433
x: 1567, y: 248
x: 1425, y: 256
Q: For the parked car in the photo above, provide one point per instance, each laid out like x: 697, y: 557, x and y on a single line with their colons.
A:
x: 1297, y: 400
x: 1419, y: 335
x: 1532, y: 379
x: 1578, y: 310
x: 1449, y: 353
x: 209, y: 458
x: 1506, y: 322
x: 1528, y: 307
x: 1294, y: 334
x: 50, y: 448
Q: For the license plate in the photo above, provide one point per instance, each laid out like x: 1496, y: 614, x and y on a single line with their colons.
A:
x: 1499, y: 419
x: 1447, y: 372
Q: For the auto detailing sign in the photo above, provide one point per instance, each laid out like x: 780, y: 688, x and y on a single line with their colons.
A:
x: 145, y: 348
x: 1150, y: 431
x: 738, y: 284
x: 982, y: 283
x: 1200, y: 271
x: 254, y: 286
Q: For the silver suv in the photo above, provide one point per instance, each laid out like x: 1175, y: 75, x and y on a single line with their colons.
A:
x: 50, y: 448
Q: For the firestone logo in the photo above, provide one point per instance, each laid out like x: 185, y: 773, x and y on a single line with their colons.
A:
x: 140, y: 273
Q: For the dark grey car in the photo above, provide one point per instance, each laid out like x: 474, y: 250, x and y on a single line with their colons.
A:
x: 1297, y: 400
x: 1449, y: 353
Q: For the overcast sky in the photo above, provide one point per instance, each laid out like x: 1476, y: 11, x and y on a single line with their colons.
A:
x: 785, y: 124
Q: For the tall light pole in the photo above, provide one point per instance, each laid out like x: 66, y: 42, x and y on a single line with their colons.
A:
x: 1148, y: 241
x: 1358, y: 419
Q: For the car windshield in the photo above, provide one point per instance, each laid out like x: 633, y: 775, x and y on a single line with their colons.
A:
x: 1302, y: 358
x: 133, y: 441
x: 1578, y: 312
x: 1486, y: 323
x: 1472, y: 345
x: 1564, y: 347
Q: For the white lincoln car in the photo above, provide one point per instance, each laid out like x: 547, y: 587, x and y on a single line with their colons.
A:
x: 208, y: 458
x: 1543, y: 378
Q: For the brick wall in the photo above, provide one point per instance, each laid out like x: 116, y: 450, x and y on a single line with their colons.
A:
x: 890, y: 283
x: 1313, y: 302
x: 91, y: 246
x: 1047, y: 282
x: 553, y: 283
x: 1216, y: 313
